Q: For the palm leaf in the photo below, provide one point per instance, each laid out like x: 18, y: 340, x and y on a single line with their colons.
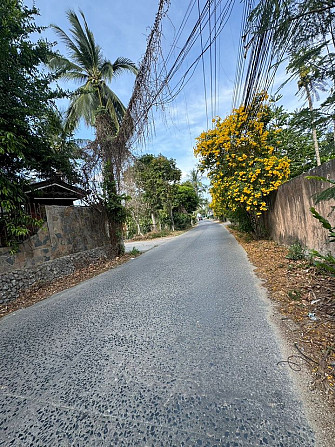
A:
x: 87, y: 54
x: 75, y: 52
x: 322, y: 179
x: 94, y: 48
x: 86, y: 65
x: 107, y: 70
x: 83, y: 104
x: 67, y: 69
x: 327, y: 194
x: 123, y: 64
x: 112, y: 101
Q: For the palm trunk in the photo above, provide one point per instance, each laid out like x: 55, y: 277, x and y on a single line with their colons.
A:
x: 315, y: 138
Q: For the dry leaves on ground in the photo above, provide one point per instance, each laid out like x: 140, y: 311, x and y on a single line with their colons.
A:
x: 32, y: 296
x: 305, y: 295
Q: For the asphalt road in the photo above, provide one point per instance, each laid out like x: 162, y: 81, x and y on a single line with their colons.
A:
x: 171, y: 349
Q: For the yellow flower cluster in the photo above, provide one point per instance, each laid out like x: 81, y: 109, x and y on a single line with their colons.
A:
x: 239, y: 154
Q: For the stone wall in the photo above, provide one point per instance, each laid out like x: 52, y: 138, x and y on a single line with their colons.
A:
x: 289, y: 218
x: 13, y: 283
x: 68, y: 230
x: 70, y: 239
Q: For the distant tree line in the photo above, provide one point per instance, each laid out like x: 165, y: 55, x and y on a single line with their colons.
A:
x: 158, y: 200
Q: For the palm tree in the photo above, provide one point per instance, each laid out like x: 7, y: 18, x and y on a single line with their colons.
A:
x: 88, y: 66
x: 99, y: 106
x: 310, y: 82
x: 195, y: 179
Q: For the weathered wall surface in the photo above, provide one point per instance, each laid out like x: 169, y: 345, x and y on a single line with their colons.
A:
x: 67, y: 230
x: 15, y: 282
x: 289, y: 218
x: 72, y: 238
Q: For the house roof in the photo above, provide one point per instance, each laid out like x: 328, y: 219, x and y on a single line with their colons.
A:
x: 55, y: 188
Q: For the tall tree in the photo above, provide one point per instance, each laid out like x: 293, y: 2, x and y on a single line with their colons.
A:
x: 87, y: 66
x: 99, y: 106
x: 27, y: 126
x: 276, y: 29
x: 195, y: 178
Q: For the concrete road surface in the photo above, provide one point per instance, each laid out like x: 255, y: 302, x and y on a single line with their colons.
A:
x: 171, y: 349
x: 146, y: 244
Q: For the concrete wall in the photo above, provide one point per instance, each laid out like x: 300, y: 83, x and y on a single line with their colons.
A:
x: 289, y: 218
x: 68, y: 230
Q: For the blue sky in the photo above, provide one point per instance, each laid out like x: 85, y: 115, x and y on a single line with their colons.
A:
x: 121, y: 27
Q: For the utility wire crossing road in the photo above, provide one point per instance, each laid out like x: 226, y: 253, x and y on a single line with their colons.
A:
x: 171, y: 349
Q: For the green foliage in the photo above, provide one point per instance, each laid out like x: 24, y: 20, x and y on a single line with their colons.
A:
x: 326, y: 194
x: 87, y: 64
x: 296, y: 140
x: 241, y: 219
x: 325, y: 223
x: 135, y: 252
x: 195, y: 179
x: 157, y: 199
x: 26, y: 110
x: 158, y: 234
x: 325, y: 263
x: 114, y: 203
x: 182, y: 221
x: 296, y: 252
x: 186, y: 198
x: 157, y: 178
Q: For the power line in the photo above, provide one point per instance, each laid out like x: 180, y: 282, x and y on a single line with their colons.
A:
x: 203, y: 67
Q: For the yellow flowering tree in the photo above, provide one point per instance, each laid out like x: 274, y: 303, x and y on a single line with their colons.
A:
x: 240, y: 155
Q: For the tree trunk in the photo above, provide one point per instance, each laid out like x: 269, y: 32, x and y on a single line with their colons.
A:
x: 105, y: 129
x: 172, y: 219
x: 154, y: 223
x: 138, y: 226
x: 315, y: 138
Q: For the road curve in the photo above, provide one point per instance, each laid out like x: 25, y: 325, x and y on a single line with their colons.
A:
x: 171, y: 349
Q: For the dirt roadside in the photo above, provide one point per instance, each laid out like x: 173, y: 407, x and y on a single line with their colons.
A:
x: 302, y: 313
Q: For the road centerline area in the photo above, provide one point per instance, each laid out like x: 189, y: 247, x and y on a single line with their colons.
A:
x: 171, y: 349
